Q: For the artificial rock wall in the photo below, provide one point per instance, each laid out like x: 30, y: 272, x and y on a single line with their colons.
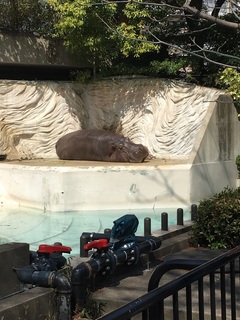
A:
x: 166, y: 116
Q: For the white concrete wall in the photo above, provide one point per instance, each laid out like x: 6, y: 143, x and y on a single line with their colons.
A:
x: 62, y: 188
x: 193, y: 132
x: 215, y: 151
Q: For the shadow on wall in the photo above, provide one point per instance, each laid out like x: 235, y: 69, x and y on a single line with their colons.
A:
x: 29, y: 49
x: 165, y: 116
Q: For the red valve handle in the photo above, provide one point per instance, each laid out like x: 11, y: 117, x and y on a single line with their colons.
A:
x: 46, y: 248
x: 96, y: 244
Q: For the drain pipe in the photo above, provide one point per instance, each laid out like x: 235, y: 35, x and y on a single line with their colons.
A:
x: 50, y: 279
x: 104, y: 261
x: 44, y: 271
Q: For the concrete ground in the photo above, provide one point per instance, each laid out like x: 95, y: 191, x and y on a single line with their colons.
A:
x: 129, y: 283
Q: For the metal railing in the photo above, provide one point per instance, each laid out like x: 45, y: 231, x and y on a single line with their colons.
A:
x: 209, y: 291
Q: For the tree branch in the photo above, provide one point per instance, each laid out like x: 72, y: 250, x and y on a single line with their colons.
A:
x: 224, y: 23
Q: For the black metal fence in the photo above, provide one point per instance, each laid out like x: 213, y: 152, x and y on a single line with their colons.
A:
x: 210, y: 290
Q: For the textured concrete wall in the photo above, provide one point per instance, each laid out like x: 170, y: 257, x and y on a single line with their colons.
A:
x: 166, y: 116
x: 192, y: 131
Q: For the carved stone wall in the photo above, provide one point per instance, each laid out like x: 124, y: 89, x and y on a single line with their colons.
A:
x: 166, y: 116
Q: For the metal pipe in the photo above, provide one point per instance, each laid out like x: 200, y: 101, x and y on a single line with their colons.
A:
x: 50, y: 279
x: 91, y: 236
x: 105, y: 262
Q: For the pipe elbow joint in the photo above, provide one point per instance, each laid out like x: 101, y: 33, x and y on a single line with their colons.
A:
x: 62, y: 283
x: 80, y: 272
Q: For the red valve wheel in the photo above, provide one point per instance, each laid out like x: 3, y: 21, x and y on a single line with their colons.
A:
x: 96, y: 244
x: 46, y: 248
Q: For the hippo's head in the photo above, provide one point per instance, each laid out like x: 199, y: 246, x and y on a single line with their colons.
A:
x: 127, y: 151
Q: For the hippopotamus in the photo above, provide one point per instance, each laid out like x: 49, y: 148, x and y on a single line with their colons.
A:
x: 99, y: 145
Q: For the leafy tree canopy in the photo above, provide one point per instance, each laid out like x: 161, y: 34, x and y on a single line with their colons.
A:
x: 26, y: 16
x: 195, y: 40
x: 167, y: 38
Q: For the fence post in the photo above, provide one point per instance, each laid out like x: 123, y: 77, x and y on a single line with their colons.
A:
x: 193, y: 212
x: 83, y: 241
x: 147, y: 227
x: 107, y: 231
x: 180, y: 217
x: 164, y: 221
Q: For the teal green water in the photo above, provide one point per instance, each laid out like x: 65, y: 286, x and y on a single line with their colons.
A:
x: 36, y: 227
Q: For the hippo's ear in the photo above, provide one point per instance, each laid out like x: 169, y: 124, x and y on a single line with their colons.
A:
x: 120, y: 146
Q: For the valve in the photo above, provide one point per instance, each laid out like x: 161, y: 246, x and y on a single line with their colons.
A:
x: 46, y: 248
x: 49, y: 257
x: 96, y: 244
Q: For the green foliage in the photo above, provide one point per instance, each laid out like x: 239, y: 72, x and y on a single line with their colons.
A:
x: 238, y: 164
x: 100, y: 32
x: 133, y: 36
x: 81, y: 24
x: 106, y: 34
x: 82, y: 76
x: 167, y: 67
x: 229, y: 79
x: 92, y: 308
x: 26, y: 16
x: 217, y: 224
x: 131, y: 33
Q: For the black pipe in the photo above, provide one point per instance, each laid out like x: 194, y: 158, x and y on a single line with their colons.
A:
x: 50, y: 279
x: 104, y: 262
x: 97, y: 236
x: 91, y: 236
x: 80, y: 274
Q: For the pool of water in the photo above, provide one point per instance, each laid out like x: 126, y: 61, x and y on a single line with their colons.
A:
x: 36, y: 227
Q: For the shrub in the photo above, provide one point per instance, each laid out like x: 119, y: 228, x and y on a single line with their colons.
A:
x: 230, y: 79
x: 217, y: 224
x: 238, y: 164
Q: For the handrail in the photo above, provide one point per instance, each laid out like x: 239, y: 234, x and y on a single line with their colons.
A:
x: 146, y: 304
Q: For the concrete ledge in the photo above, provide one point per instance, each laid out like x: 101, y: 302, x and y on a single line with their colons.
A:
x: 172, y: 245
x: 57, y: 187
x: 37, y: 303
x: 12, y: 255
x: 174, y: 230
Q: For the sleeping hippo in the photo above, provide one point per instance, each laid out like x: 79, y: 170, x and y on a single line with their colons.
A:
x: 99, y: 145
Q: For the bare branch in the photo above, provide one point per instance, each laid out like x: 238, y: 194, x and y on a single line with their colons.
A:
x: 204, y: 51
x: 194, y: 53
x: 227, y: 24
